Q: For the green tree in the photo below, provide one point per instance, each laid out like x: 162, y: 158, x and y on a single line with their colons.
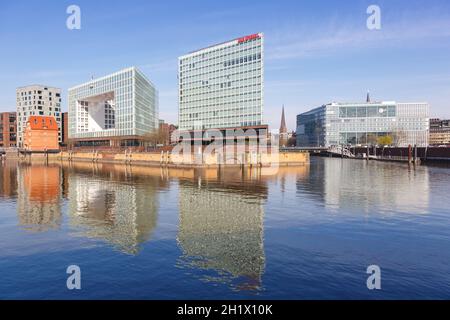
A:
x: 385, y: 140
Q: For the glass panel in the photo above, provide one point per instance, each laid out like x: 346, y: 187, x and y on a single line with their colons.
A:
x: 361, y: 138
x: 362, y: 112
x: 351, y: 138
x: 391, y: 111
x: 372, y: 111
x: 351, y: 112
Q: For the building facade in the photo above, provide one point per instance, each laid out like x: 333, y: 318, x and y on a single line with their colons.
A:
x: 8, y: 130
x: 37, y: 100
x: 65, y: 128
x: 166, y: 131
x: 118, y: 109
x: 41, y: 134
x: 363, y: 124
x: 439, y: 132
x: 222, y: 86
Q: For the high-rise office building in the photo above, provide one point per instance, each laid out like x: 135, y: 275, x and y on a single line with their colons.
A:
x: 222, y: 86
x: 115, y: 110
x: 363, y: 123
x: 37, y: 100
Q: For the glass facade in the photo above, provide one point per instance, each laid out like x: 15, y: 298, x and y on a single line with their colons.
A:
x: 363, y: 124
x: 222, y: 86
x: 121, y: 104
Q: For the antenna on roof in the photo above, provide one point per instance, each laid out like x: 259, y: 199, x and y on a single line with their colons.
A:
x: 368, y: 96
x: 92, y: 79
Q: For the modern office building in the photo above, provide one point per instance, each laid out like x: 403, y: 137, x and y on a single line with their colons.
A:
x: 439, y: 132
x: 222, y: 86
x: 116, y: 110
x: 363, y: 123
x: 8, y: 130
x: 37, y: 100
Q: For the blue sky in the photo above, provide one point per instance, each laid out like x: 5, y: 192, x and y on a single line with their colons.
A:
x: 315, y: 51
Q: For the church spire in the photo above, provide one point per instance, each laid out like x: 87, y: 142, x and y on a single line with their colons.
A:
x: 283, y: 128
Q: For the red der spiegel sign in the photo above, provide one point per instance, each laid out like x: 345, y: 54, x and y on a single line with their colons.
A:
x: 248, y: 38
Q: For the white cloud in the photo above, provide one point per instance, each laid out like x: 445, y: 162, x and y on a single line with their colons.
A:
x: 302, y: 42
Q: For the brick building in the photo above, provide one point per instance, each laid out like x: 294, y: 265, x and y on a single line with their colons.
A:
x: 8, y: 130
x: 41, y: 134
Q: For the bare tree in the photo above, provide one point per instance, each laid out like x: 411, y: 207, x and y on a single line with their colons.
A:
x: 155, y: 137
x: 399, y: 137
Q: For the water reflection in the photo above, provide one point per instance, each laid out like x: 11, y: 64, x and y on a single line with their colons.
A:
x: 112, y: 203
x: 221, y: 229
x: 8, y: 179
x: 38, y: 205
x: 355, y: 184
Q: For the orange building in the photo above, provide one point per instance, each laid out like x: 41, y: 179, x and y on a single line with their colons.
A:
x: 41, y: 134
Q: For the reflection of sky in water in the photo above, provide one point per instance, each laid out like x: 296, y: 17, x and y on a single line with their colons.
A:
x: 307, y: 232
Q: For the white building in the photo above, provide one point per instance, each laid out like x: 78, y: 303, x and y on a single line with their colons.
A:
x: 363, y: 123
x: 222, y: 86
x: 37, y: 100
x: 116, y: 109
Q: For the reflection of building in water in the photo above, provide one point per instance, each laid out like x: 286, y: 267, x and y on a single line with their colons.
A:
x: 356, y: 184
x: 221, y: 229
x: 8, y: 179
x: 38, y: 202
x: 106, y: 207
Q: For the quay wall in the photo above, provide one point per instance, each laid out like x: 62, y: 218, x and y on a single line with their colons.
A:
x: 187, y: 160
x: 425, y: 154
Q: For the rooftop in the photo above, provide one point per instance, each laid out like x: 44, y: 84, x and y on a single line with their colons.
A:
x: 248, y: 37
x: 42, y: 122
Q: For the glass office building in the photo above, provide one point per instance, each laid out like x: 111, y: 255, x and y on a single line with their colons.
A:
x: 118, y: 108
x: 362, y: 124
x: 222, y: 86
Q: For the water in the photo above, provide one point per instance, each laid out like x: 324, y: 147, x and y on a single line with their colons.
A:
x: 308, y: 232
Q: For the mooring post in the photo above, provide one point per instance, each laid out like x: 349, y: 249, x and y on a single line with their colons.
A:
x: 409, y: 153
x: 415, y: 153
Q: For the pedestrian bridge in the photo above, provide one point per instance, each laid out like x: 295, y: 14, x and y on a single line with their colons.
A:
x: 339, y: 151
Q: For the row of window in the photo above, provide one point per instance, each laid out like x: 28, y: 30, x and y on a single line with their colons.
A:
x: 367, y: 112
x: 24, y: 93
x: 251, y: 68
x: 221, y: 51
x: 219, y: 61
x: 187, y: 126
